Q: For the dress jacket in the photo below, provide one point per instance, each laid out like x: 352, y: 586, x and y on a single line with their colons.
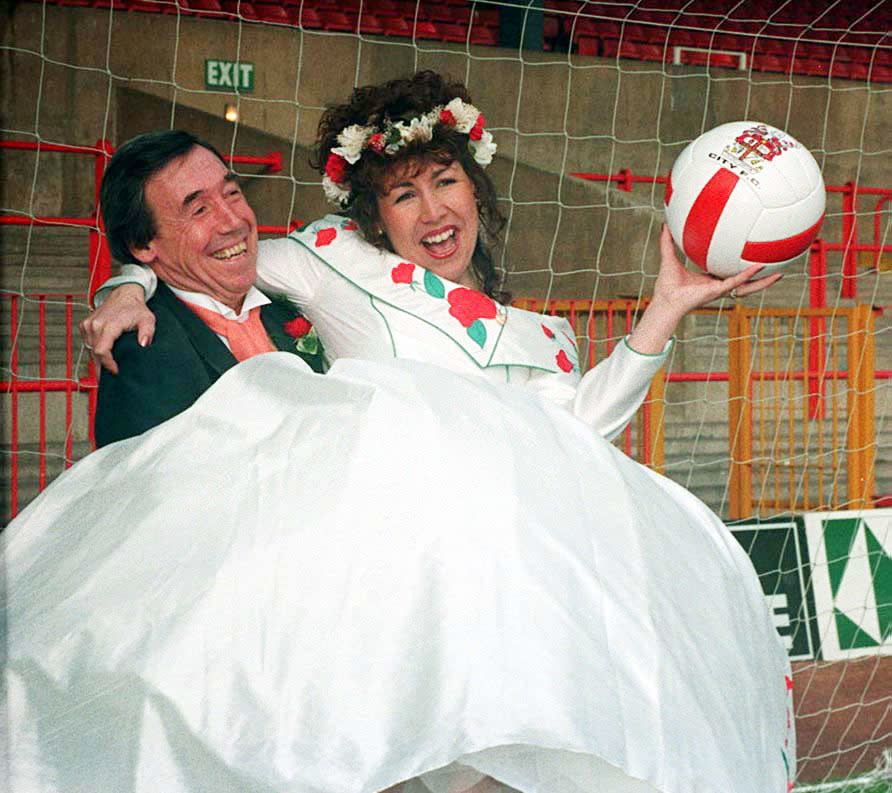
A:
x: 184, y: 359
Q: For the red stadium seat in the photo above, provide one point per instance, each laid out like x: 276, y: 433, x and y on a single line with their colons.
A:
x: 153, y: 6
x: 202, y: 8
x: 396, y: 26
x: 269, y: 12
x: 452, y: 32
x: 881, y: 74
x: 423, y: 28
x: 383, y: 9
x: 481, y: 34
x: 489, y: 17
x: 459, y: 15
x: 772, y: 63
x: 369, y: 24
x: 244, y: 10
x: 709, y: 58
x: 306, y: 16
x: 589, y: 45
x: 336, y: 20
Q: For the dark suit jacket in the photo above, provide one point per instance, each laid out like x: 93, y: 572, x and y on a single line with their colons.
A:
x: 184, y: 359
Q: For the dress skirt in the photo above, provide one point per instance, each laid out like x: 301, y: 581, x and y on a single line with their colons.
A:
x: 390, y: 575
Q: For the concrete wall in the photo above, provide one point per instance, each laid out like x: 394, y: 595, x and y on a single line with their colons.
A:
x: 75, y: 75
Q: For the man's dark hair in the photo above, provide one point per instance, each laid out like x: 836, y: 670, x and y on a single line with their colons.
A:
x: 129, y: 222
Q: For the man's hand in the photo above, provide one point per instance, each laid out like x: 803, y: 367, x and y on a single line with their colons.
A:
x: 124, y: 309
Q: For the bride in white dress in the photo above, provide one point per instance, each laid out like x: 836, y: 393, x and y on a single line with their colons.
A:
x: 426, y: 569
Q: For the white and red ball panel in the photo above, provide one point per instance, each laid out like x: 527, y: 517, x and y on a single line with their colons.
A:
x: 744, y: 193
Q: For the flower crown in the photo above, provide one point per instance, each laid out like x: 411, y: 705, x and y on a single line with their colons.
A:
x: 394, y: 135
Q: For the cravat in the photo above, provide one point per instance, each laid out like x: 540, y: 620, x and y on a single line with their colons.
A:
x: 245, y: 339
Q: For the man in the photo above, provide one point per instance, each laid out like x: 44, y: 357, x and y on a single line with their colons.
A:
x: 170, y: 202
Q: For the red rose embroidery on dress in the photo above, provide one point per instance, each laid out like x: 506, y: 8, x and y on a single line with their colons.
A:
x: 563, y: 361
x: 336, y: 168
x: 350, y: 226
x: 297, y: 327
x: 548, y: 331
x: 466, y: 305
x: 402, y: 273
x: 477, y: 130
x: 325, y: 237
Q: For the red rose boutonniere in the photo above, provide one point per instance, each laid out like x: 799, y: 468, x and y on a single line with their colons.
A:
x: 304, y: 334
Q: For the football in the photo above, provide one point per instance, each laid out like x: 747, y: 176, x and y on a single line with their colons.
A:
x: 744, y: 193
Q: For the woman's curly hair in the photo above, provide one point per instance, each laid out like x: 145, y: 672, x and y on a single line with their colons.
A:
x: 405, y: 99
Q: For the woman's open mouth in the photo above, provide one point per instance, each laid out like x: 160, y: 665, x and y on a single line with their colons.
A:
x: 441, y: 244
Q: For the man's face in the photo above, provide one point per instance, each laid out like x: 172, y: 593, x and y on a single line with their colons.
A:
x: 206, y: 238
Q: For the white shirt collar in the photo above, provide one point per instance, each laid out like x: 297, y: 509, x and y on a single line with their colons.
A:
x: 253, y: 298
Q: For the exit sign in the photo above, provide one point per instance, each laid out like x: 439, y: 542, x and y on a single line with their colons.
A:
x: 234, y: 75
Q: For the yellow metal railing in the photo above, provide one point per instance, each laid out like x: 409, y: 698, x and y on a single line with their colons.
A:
x: 800, y: 401
x: 800, y: 409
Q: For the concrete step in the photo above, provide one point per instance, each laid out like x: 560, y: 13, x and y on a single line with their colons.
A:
x: 28, y: 474
x: 44, y: 259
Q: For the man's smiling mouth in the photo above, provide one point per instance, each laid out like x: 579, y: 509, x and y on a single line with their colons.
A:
x: 233, y: 250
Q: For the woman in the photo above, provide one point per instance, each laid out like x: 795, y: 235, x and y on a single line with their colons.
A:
x: 428, y: 573
x: 406, y: 177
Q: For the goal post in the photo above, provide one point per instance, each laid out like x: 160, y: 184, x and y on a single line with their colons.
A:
x: 774, y: 410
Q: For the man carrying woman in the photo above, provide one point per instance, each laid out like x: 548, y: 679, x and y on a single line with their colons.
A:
x: 425, y: 568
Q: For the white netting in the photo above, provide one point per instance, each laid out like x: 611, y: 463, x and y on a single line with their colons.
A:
x: 613, y: 90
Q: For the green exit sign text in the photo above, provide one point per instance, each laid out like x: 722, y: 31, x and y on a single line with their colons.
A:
x: 229, y: 74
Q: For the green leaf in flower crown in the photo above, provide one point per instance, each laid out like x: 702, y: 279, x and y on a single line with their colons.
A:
x: 433, y: 285
x: 477, y: 332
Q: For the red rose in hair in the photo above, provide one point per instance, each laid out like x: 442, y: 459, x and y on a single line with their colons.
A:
x: 466, y: 305
x: 325, y: 237
x: 563, y: 361
x: 547, y: 331
x: 477, y: 130
x: 376, y: 142
x: 446, y: 117
x: 336, y: 168
x: 402, y: 273
x: 297, y: 327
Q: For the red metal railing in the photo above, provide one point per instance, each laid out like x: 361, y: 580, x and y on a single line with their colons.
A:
x: 100, y: 269
x: 618, y: 314
x: 850, y: 245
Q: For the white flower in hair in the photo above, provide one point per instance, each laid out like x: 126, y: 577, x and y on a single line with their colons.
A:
x: 465, y: 115
x: 419, y: 129
x: 483, y: 149
x: 352, y: 140
x: 333, y: 192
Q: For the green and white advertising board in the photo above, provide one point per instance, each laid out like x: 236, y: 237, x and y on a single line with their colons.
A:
x: 779, y: 553
x: 851, y: 560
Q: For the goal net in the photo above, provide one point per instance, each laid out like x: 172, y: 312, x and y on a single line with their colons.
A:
x: 774, y: 409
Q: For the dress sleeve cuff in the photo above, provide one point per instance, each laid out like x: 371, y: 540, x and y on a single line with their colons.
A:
x: 130, y: 274
x: 662, y: 354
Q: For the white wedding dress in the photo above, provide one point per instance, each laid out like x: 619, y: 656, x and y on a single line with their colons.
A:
x: 395, y: 574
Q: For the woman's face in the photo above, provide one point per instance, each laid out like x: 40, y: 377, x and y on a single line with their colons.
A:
x: 429, y: 213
